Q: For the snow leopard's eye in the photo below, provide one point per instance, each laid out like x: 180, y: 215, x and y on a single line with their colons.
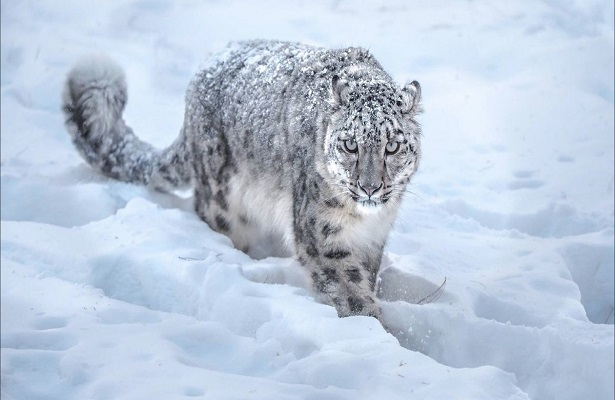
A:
x: 350, y: 145
x: 392, y: 147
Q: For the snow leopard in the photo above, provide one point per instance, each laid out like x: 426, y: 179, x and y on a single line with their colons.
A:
x: 307, y: 147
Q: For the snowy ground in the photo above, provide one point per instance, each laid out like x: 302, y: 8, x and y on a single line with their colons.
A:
x: 110, y: 291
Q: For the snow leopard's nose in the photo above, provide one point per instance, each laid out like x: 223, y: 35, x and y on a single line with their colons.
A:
x: 369, y: 188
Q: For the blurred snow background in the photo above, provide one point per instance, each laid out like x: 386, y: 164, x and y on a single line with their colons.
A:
x: 110, y: 291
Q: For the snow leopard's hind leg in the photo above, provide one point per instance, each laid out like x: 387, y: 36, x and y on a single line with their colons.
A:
x: 93, y: 102
x: 213, y: 199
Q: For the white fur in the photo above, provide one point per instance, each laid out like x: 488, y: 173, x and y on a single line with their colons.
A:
x: 364, y: 231
x: 269, y: 212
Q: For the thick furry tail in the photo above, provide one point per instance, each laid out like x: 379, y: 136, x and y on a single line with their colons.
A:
x: 93, y: 102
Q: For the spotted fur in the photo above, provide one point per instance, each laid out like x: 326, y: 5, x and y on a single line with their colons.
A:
x: 305, y: 149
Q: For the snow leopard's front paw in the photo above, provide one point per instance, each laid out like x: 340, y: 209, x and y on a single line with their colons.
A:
x: 350, y: 296
x: 353, y: 304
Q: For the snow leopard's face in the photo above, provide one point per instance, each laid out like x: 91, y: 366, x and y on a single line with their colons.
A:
x: 373, y: 141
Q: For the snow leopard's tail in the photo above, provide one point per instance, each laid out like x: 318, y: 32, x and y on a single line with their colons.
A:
x: 93, y: 101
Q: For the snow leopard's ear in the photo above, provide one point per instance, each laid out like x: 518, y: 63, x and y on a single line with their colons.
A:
x: 412, y: 98
x: 339, y: 91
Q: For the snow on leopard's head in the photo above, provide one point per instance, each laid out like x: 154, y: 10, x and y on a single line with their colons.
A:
x: 372, y: 144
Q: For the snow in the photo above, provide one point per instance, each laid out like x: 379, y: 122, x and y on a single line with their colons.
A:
x: 111, y: 291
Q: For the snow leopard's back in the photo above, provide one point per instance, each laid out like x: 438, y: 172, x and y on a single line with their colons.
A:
x: 262, y: 92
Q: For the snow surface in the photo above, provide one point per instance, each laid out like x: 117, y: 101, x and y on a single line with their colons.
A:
x: 111, y: 291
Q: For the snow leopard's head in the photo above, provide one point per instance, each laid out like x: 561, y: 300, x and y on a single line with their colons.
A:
x: 372, y: 144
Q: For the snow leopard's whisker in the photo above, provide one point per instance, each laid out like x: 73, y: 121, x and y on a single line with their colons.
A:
x: 413, y: 193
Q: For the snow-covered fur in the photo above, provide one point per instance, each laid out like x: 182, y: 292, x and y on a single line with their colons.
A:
x: 307, y: 147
